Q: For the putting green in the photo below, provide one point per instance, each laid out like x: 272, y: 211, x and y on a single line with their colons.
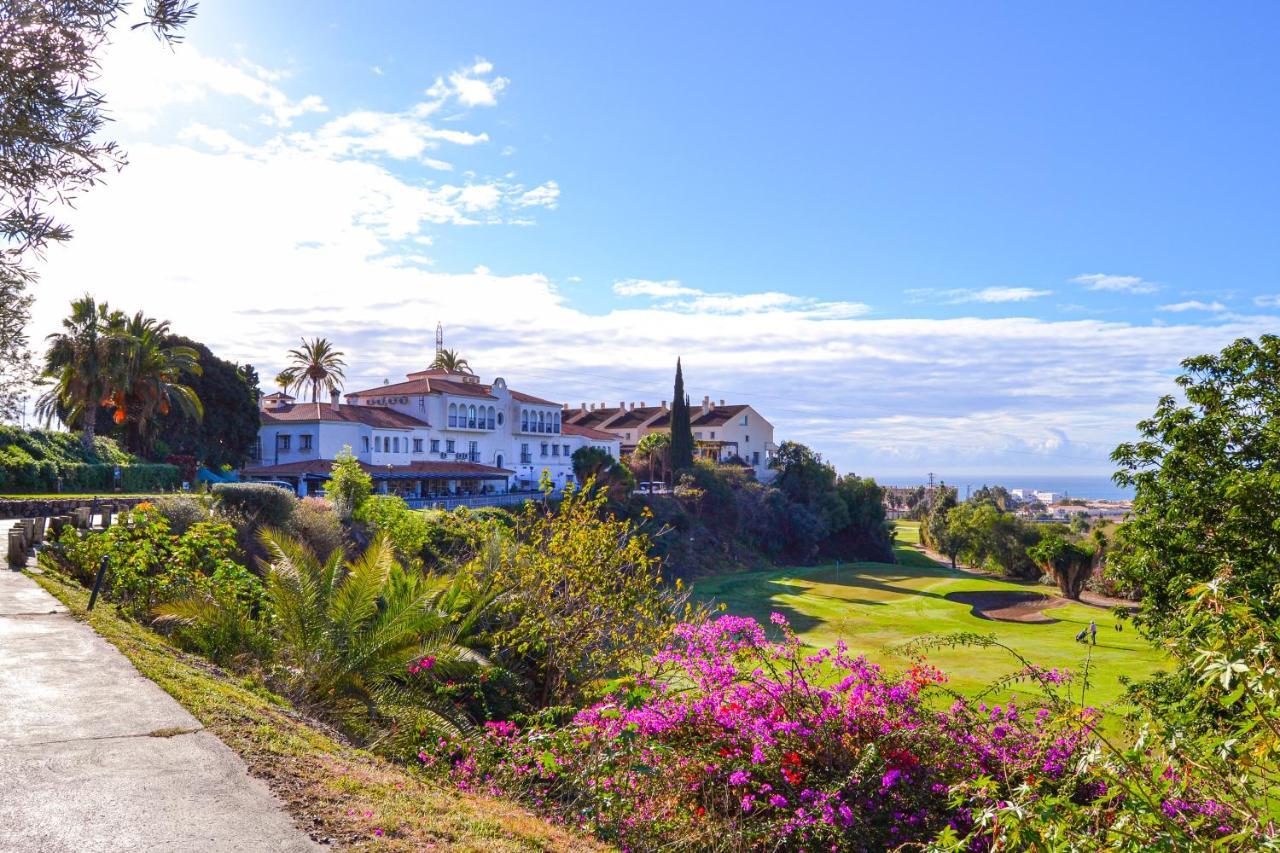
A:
x: 876, y: 606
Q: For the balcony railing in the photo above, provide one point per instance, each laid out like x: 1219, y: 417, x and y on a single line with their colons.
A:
x: 508, y: 499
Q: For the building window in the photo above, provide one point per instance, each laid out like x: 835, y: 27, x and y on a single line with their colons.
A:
x: 422, y: 404
x: 471, y: 417
x: 628, y: 436
x: 555, y: 450
x: 499, y: 418
x: 557, y: 417
x: 524, y: 453
x: 566, y: 450
x: 743, y: 422
x: 435, y: 445
x: 696, y: 435
x: 473, y: 451
x: 417, y: 445
x: 542, y: 423
x: 544, y: 448
x: 713, y: 433
x: 395, y: 444
x: 453, y: 415
x: 747, y: 440
x: 364, y: 444
x: 448, y: 445
x: 283, y: 440
x: 377, y: 444
x: 304, y: 442
x: 524, y: 420
x: 755, y: 458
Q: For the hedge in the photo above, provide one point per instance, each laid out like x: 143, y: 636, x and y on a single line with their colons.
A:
x: 261, y: 502
x: 17, y: 476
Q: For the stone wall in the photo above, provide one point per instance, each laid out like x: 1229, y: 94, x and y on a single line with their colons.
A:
x: 30, y: 508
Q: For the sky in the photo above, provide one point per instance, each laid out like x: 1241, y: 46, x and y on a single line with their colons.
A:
x: 917, y: 237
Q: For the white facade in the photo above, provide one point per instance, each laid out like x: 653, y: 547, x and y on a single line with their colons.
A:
x: 434, y: 422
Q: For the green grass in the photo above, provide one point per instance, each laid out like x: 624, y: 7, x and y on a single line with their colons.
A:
x: 874, y: 607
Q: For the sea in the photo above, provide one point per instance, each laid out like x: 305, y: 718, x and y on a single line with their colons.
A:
x: 1086, y: 486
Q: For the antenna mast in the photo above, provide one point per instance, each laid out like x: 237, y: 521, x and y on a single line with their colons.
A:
x: 439, y: 338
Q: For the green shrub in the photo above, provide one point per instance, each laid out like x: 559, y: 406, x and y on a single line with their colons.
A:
x: 182, y: 511
x: 149, y: 478
x: 404, y: 528
x: 317, y: 525
x: 349, y: 484
x: 259, y: 503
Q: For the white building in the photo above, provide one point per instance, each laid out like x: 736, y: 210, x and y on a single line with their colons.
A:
x: 436, y: 434
x: 722, y: 433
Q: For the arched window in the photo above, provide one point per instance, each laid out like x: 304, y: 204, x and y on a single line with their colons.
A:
x: 524, y: 420
x: 453, y: 414
x: 557, y: 417
x: 395, y: 444
x: 377, y: 444
x: 492, y: 412
x: 471, y: 417
x: 542, y: 421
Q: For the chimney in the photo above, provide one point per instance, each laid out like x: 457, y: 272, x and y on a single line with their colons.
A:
x: 633, y: 407
x: 706, y: 404
x: 593, y: 407
x: 622, y: 404
x: 642, y: 405
x: 664, y: 404
x: 335, y: 397
x: 584, y: 407
x: 722, y: 402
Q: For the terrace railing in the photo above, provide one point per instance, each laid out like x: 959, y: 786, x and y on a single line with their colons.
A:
x: 508, y: 499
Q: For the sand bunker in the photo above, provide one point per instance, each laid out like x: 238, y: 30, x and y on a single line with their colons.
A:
x: 1009, y: 605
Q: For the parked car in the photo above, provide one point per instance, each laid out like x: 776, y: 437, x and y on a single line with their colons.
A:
x: 281, y: 484
x: 648, y: 488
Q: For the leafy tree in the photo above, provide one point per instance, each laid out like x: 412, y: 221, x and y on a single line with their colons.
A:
x: 51, y: 142
x: 82, y: 361
x: 231, y: 419
x: 1070, y: 563
x: 681, y: 430
x: 349, y: 484
x: 582, y: 597
x: 997, y: 496
x: 315, y: 364
x: 1206, y: 471
x: 449, y: 360
x: 147, y: 381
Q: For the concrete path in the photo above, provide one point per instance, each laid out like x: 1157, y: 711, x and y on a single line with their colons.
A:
x: 89, y: 758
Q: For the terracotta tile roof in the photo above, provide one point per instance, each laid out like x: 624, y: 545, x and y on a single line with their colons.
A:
x: 416, y: 470
x: 521, y: 397
x: 374, y: 416
x: 587, y: 432
x: 428, y: 385
x: 635, y: 417
x: 593, y: 418
x: 719, y: 416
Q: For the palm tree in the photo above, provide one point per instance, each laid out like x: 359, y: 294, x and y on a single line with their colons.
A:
x: 80, y: 362
x: 315, y: 363
x: 148, y: 381
x: 349, y: 636
x: 448, y: 359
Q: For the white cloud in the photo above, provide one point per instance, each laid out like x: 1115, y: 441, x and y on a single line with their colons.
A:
x: 1194, y: 305
x: 547, y: 195
x: 692, y: 300
x: 1122, y: 283
x: 470, y: 88
x: 1267, y: 301
x: 645, y: 287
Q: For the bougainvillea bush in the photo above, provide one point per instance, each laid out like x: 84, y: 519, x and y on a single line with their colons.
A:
x: 728, y: 740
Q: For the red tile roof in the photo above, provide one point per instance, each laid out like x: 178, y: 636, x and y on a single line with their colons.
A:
x: 587, y: 432
x: 719, y: 416
x: 592, y: 418
x: 374, y: 416
x: 521, y: 397
x: 423, y: 470
x: 428, y: 385
x: 635, y: 417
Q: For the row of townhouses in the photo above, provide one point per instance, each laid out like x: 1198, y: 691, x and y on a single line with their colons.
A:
x: 440, y: 435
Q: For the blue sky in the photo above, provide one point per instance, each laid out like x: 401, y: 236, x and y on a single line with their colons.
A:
x: 917, y: 236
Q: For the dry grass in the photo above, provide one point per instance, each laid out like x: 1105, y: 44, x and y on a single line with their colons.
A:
x: 335, y: 792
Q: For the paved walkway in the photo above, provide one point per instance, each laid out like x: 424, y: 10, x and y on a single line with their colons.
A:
x: 81, y: 765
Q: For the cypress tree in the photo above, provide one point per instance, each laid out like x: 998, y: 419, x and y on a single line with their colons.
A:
x: 681, y: 431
